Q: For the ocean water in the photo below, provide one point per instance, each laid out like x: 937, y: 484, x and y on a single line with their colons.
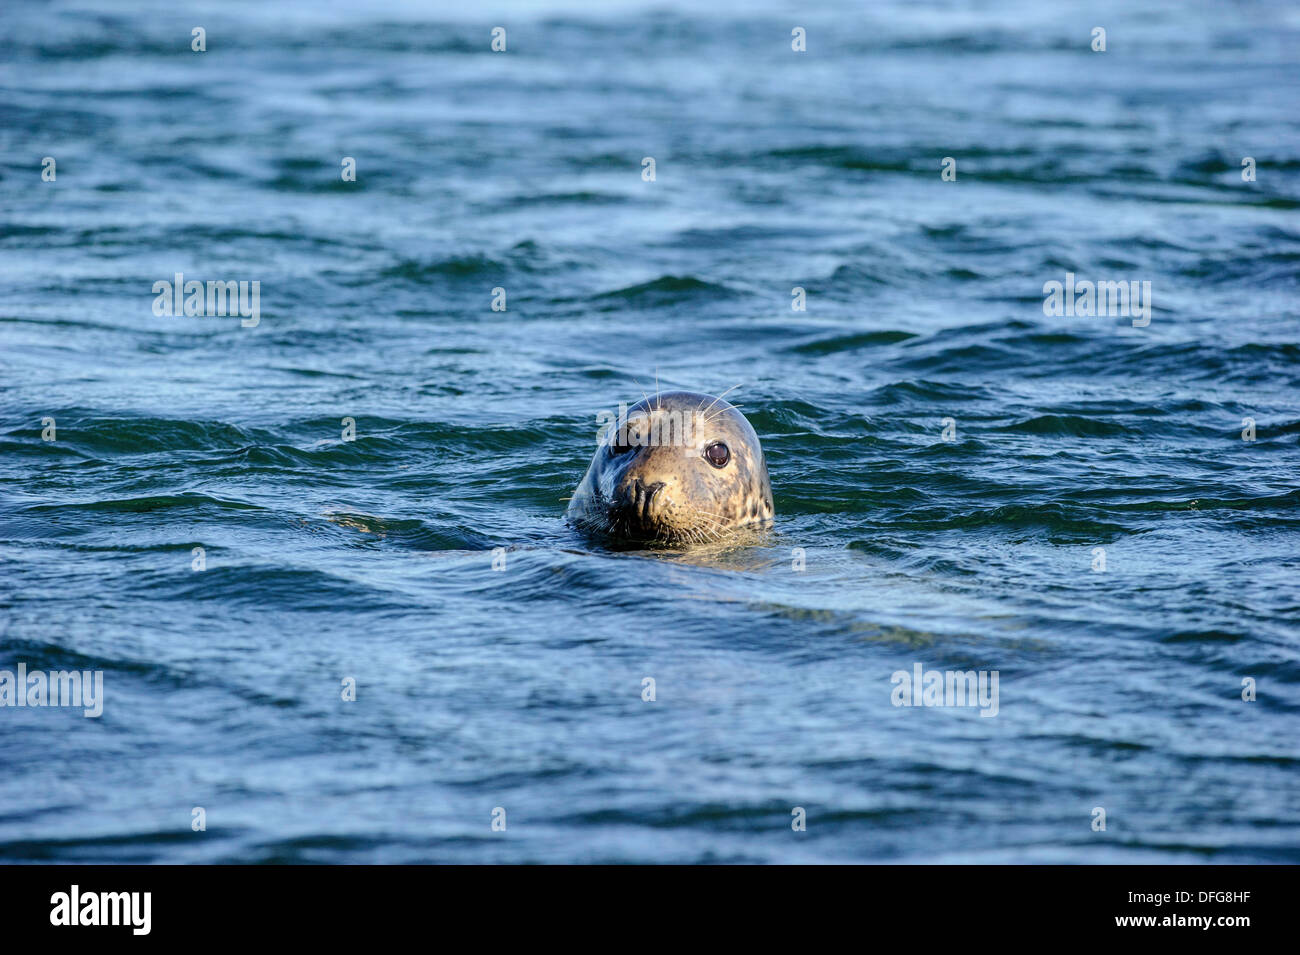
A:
x: 515, y: 692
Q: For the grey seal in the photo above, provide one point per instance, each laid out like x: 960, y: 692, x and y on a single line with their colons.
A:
x: 679, y: 468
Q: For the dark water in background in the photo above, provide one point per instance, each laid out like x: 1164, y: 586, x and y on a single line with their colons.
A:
x: 521, y: 689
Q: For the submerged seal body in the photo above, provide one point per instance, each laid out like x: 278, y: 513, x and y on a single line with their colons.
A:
x: 679, y: 468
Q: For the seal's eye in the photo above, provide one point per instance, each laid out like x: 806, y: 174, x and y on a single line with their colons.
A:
x: 717, y: 454
x: 615, y: 449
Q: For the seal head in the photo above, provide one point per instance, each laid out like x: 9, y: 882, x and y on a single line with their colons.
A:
x: 679, y: 468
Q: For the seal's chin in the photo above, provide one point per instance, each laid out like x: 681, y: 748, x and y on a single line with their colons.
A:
x: 637, y: 520
x: 636, y: 523
x: 627, y: 525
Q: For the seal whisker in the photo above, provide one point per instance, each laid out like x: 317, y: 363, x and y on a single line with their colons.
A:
x: 721, y: 396
x: 642, y: 390
x: 710, y: 525
x: 722, y: 411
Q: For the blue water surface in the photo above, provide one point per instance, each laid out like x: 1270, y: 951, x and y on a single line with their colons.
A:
x: 896, y: 544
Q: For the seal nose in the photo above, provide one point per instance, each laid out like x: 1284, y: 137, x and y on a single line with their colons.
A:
x: 636, y: 497
x: 648, y: 492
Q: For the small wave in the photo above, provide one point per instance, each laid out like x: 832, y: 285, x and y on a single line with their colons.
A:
x: 459, y: 266
x: 846, y: 343
x: 124, y: 435
x: 1067, y: 424
x: 666, y: 290
x: 151, y: 502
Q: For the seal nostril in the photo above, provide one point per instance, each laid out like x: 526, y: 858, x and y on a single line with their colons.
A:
x: 651, y: 492
x: 633, y: 497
